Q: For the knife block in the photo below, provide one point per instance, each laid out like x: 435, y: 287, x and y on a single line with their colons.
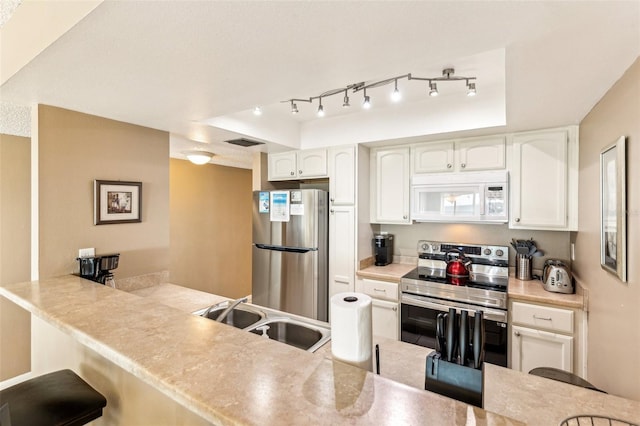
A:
x: 453, y: 380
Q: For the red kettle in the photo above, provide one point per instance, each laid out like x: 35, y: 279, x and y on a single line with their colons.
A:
x: 457, y: 267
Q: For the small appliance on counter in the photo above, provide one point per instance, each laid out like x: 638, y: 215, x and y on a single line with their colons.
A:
x: 556, y: 277
x: 383, y: 249
x: 98, y: 268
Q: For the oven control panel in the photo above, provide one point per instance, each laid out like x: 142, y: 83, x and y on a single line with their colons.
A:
x: 487, y: 252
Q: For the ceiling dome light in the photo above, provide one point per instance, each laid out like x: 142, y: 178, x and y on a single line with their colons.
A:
x: 396, y: 95
x: 199, y: 157
x: 471, y: 89
x: 257, y: 111
x: 433, y: 89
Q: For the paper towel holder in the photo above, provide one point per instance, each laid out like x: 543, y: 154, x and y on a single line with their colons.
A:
x: 350, y: 299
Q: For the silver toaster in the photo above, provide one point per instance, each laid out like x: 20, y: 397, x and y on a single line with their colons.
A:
x: 556, y: 277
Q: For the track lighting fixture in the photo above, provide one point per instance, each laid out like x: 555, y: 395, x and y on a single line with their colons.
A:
x: 366, y: 104
x: 320, y: 109
x: 396, y: 95
x: 447, y: 75
x: 345, y: 101
x: 433, y: 89
x: 471, y: 89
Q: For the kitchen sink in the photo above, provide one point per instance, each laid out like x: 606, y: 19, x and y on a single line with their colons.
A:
x: 300, y: 332
x: 292, y: 332
x: 240, y: 317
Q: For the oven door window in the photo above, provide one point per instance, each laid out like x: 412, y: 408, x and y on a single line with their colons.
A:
x: 418, y: 325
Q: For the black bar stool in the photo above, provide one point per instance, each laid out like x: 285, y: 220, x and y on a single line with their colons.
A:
x: 60, y: 398
x: 563, y: 376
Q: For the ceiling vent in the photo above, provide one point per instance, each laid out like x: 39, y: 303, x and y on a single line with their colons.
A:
x: 244, y: 142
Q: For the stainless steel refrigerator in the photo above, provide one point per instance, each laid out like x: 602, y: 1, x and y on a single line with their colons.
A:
x: 290, y: 251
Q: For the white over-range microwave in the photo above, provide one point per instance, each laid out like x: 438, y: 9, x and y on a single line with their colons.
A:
x: 460, y: 197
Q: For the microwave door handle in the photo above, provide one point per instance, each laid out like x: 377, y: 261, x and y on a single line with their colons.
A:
x: 483, y: 196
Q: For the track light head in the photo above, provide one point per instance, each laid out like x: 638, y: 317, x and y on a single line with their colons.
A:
x: 396, y: 95
x: 367, y: 102
x: 294, y: 108
x: 320, y: 109
x: 345, y: 102
x: 471, y: 89
x: 433, y: 89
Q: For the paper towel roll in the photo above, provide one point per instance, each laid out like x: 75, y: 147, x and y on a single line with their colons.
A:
x: 351, y: 339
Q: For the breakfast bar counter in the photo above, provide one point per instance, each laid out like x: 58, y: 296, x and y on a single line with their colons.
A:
x: 228, y: 376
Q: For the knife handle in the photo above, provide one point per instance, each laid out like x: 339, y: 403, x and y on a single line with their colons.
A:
x: 440, y: 333
x: 451, y: 334
x: 463, y: 343
x: 478, y: 339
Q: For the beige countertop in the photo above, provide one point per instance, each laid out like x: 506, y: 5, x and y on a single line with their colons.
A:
x: 181, y: 355
x: 530, y: 399
x: 531, y: 291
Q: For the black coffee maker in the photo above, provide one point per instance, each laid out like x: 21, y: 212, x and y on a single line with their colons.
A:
x: 383, y: 249
x: 98, y: 268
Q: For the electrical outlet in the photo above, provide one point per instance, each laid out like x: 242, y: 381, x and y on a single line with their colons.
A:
x: 86, y: 252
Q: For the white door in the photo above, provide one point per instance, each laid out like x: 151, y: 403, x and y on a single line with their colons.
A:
x: 341, y: 249
x: 312, y: 163
x: 481, y: 154
x: 385, y: 319
x: 531, y: 348
x: 342, y: 174
x: 282, y: 166
x: 391, y: 186
x: 539, y: 180
x: 433, y: 157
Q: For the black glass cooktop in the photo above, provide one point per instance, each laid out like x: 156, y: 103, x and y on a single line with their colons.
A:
x: 417, y: 274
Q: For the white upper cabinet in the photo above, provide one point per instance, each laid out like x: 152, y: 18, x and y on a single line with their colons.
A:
x: 289, y: 165
x: 342, y: 175
x: 390, y: 185
x: 432, y: 157
x: 544, y: 181
x: 487, y: 153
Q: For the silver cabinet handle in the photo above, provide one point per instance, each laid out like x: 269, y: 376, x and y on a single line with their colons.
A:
x: 517, y: 219
x: 517, y: 333
x: 394, y: 309
x: 404, y: 217
x: 300, y: 172
x: 541, y: 318
x: 293, y: 173
x: 463, y: 165
x: 332, y: 211
x: 449, y: 166
x: 380, y: 290
x: 332, y: 200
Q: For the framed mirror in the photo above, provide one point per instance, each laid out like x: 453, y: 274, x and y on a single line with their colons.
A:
x: 613, y: 209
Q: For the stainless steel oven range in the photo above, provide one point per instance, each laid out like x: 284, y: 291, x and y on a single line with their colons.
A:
x: 428, y: 290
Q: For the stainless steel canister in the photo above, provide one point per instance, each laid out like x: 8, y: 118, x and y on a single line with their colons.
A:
x: 523, y: 267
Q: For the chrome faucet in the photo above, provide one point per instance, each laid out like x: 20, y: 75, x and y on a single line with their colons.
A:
x: 230, y: 308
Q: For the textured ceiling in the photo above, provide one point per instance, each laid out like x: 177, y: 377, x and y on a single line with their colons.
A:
x: 170, y: 65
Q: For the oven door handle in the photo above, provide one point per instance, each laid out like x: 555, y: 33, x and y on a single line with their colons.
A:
x: 444, y: 306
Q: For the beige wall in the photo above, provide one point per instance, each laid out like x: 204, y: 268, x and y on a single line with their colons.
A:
x: 15, y: 249
x: 211, y: 213
x: 613, y: 355
x: 75, y: 149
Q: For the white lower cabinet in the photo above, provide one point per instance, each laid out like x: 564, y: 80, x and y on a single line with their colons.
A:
x: 543, y: 336
x: 385, y: 308
x: 384, y: 318
x: 531, y: 348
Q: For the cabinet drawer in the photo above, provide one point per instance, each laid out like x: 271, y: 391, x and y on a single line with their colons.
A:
x: 544, y: 317
x: 380, y: 289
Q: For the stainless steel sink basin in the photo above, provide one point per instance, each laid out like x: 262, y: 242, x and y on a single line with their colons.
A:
x: 239, y: 317
x: 300, y: 332
x: 292, y: 332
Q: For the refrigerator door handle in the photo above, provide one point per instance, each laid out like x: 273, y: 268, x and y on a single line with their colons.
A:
x: 285, y: 248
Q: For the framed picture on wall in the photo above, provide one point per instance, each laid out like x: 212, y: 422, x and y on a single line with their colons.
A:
x: 613, y: 209
x: 117, y: 202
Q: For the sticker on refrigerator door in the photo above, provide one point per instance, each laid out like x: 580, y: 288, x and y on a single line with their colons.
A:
x: 280, y: 206
x: 263, y: 202
x: 297, y: 210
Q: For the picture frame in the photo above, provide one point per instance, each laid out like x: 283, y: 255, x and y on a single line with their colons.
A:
x: 117, y: 202
x: 613, y: 209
